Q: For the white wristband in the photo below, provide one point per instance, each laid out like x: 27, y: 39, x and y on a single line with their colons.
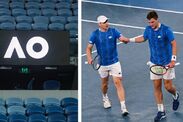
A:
x: 174, y: 58
x: 132, y: 39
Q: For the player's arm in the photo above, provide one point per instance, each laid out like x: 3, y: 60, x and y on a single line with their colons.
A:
x: 137, y: 39
x: 89, y: 53
x: 174, y: 53
x: 123, y: 39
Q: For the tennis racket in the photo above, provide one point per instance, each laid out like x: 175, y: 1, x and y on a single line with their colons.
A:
x: 159, y: 69
x: 95, y: 62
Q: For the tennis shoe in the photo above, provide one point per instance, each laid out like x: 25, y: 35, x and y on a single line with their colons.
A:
x: 107, y: 103
x: 160, y: 115
x: 176, y: 103
x: 124, y: 112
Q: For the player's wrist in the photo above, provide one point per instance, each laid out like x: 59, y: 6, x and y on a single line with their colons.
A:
x: 174, y: 58
x: 132, y: 39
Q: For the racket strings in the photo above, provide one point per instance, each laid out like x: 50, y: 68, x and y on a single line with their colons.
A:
x: 158, y: 69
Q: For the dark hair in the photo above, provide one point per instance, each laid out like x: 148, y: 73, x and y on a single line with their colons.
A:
x: 152, y: 14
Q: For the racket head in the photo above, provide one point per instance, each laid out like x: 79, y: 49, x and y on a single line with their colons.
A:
x: 158, y: 69
x: 96, y: 62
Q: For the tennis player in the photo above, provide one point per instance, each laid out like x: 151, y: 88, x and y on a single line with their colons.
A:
x: 162, y: 46
x: 105, y: 40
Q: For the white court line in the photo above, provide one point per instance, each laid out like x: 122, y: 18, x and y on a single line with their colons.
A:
x: 121, y: 25
x: 137, y: 7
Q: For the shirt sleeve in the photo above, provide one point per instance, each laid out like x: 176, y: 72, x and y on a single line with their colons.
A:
x: 170, y: 35
x: 146, y: 34
x: 92, y: 38
x: 117, y: 34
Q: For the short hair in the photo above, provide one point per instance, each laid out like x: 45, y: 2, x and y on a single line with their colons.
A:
x: 152, y: 14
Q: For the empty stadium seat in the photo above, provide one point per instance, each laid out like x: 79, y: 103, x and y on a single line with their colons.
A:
x: 4, y: 11
x: 71, y: 26
x: 7, y: 18
x: 33, y: 1
x: 16, y: 5
x: 41, y: 19
x: 37, y: 118
x: 51, y: 101
x: 2, y: 110
x: 47, y: 5
x: 40, y: 26
x: 23, y: 26
x: 32, y: 5
x: 52, y: 84
x: 34, y: 109
x: 53, y: 109
x: 18, y: 12
x: 68, y: 101
x: 7, y: 26
x: 54, y: 26
x: 50, y: 1
x: 69, y: 110
x: 49, y: 12
x: 58, y: 19
x: 4, y: 4
x: 63, y: 5
x: 56, y: 118
x: 17, y: 118
x: 72, y: 118
x: 3, y: 118
x: 23, y: 19
x: 16, y: 110
x: 72, y: 19
x: 14, y: 101
x: 33, y: 12
x: 2, y: 102
x: 64, y: 12
x: 33, y: 101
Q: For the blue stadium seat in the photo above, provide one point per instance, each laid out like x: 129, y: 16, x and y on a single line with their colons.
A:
x: 16, y: 0
x: 33, y: 12
x: 37, y: 118
x: 56, y: 118
x: 4, y: 4
x: 14, y: 101
x: 51, y: 101
x: 64, y: 1
x: 53, y: 84
x: 2, y: 102
x: 49, y: 12
x: 50, y: 1
x: 75, y: 12
x: 2, y: 110
x: 18, y: 12
x: 32, y: 5
x: 74, y: 6
x: 71, y: 26
x: 33, y: 101
x: 34, y: 109
x: 52, y: 109
x: 41, y: 19
x: 7, y: 18
x: 3, y: 118
x: 64, y: 12
x: 17, y: 118
x: 4, y: 11
x: 7, y: 26
x: 58, y: 19
x: 33, y: 1
x: 23, y: 26
x: 17, y: 5
x: 69, y: 110
x: 69, y: 101
x: 47, y: 5
x: 16, y: 110
x: 40, y: 26
x: 22, y: 19
x: 63, y: 5
x: 72, y: 19
x: 72, y: 118
x: 54, y: 26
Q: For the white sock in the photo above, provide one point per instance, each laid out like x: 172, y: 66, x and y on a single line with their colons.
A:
x: 175, y: 96
x: 161, y: 107
x: 105, y: 96
x: 123, y: 106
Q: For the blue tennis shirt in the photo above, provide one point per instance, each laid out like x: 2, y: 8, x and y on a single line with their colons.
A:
x: 106, y: 45
x: 159, y: 44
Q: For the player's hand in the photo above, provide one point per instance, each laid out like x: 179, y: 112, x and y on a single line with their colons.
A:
x: 126, y: 40
x: 90, y: 60
x: 171, y: 64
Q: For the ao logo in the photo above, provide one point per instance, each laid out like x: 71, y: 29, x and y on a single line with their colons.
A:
x: 15, y: 45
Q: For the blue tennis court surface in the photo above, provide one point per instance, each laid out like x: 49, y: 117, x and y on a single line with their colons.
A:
x: 129, y: 17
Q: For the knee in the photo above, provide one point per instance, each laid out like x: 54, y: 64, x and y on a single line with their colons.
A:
x: 117, y: 82
x: 168, y: 86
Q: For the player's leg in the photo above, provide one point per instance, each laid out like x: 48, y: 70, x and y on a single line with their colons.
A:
x: 116, y: 72
x: 159, y: 99
x: 104, y: 74
x: 171, y: 89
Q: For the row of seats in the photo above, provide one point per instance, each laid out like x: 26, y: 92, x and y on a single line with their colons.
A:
x: 37, y: 5
x: 70, y: 1
x: 36, y: 101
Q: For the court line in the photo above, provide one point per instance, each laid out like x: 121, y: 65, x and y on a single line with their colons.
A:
x: 122, y: 25
x: 130, y: 6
